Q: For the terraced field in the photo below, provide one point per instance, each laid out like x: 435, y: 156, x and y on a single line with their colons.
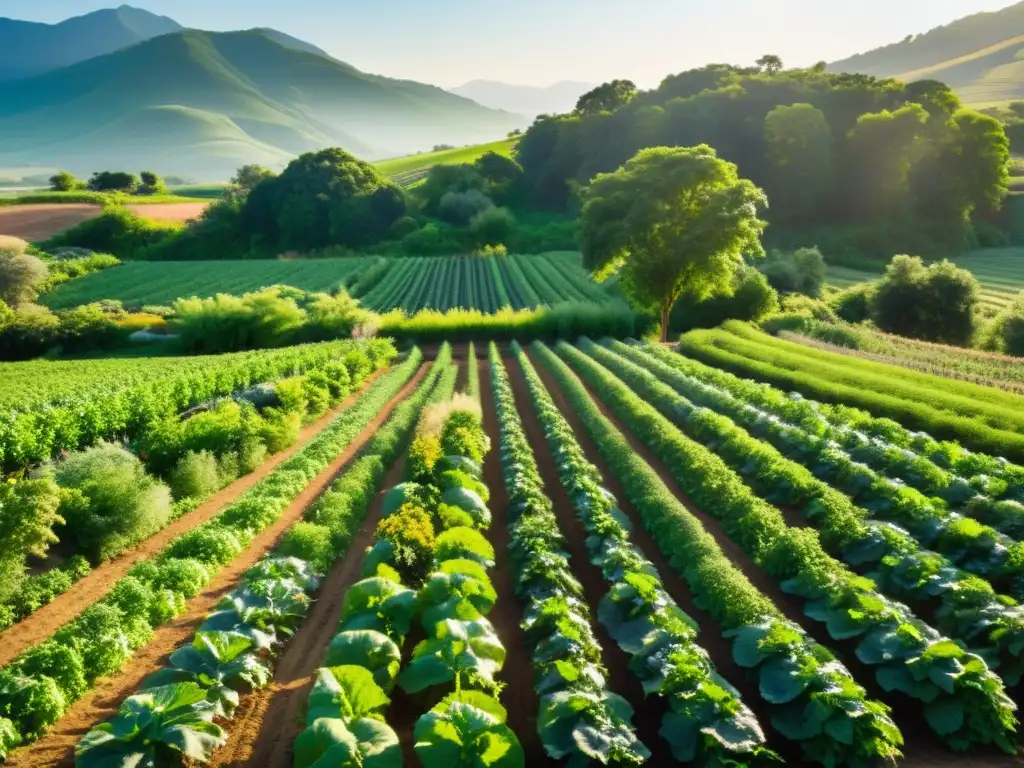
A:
x: 598, y: 553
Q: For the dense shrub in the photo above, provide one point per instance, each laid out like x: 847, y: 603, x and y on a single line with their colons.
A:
x: 28, y: 512
x: 196, y: 476
x: 752, y: 299
x: 21, y: 275
x: 116, y: 231
x: 108, y: 501
x: 332, y: 317
x: 113, y: 181
x: 492, y: 226
x: 310, y: 542
x: 801, y: 271
x: 212, y: 544
x: 934, y: 303
x: 411, y: 533
x: 854, y: 304
x: 280, y: 429
x: 460, y: 207
x: 230, y: 323
x: 1006, y: 333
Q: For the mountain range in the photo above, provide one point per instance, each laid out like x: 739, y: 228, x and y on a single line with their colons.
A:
x: 139, y: 91
x: 980, y: 56
x: 525, y: 99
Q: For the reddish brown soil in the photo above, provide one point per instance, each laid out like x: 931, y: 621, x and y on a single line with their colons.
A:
x: 39, y: 222
x: 922, y: 748
x: 518, y: 696
x: 48, y: 619
x: 268, y: 721
x: 177, y: 212
x: 42, y: 221
x: 647, y: 715
x: 57, y: 747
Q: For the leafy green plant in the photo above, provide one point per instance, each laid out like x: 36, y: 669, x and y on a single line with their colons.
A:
x: 154, y: 727
x: 380, y: 605
x: 358, y: 743
x: 457, y: 734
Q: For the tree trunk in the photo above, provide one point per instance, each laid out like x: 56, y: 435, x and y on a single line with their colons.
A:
x: 666, y: 310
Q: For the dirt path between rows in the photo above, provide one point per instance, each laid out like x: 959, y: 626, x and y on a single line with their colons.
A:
x: 518, y: 696
x: 267, y: 722
x: 48, y: 619
x: 647, y: 715
x: 102, y: 702
x: 922, y: 748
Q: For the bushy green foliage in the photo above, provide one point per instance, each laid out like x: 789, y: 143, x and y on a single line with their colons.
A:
x: 108, y: 502
x: 113, y: 181
x: 1006, y: 333
x: 28, y: 513
x: 323, y: 198
x: 853, y: 304
x: 310, y: 542
x: 116, y: 231
x: 492, y: 226
x: 411, y: 533
x: 802, y: 271
x: 934, y: 303
x: 752, y: 298
x: 195, y: 476
x: 21, y: 275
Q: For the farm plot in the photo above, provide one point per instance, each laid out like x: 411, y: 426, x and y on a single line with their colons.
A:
x: 637, y: 534
x: 484, y: 284
x: 143, y: 283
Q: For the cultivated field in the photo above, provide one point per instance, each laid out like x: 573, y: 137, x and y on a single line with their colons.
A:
x: 486, y: 284
x: 410, y: 169
x: 999, y: 270
x: 673, y: 555
x: 36, y: 222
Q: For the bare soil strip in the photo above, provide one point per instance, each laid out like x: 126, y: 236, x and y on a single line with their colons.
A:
x: 922, y: 748
x: 48, y: 619
x: 518, y: 697
x: 102, y: 702
x: 177, y: 212
x: 40, y: 222
x: 647, y: 716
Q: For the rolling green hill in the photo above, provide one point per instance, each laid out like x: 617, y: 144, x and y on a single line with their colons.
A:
x: 199, y: 104
x: 981, y: 57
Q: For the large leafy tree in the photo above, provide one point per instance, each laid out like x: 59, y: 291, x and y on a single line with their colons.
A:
x: 799, y: 145
x: 324, y: 198
x: 607, y: 97
x: 671, y: 221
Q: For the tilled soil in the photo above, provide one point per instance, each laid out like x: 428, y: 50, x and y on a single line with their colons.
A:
x: 922, y: 748
x: 177, y: 212
x: 102, y: 702
x: 48, y: 619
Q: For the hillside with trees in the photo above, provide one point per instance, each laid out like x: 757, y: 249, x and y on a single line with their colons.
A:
x: 856, y: 165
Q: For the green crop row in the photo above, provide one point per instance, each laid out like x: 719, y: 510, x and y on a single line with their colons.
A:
x: 54, y: 419
x: 977, y: 425
x: 706, y: 720
x: 39, y: 685
x: 580, y: 718
x: 812, y: 697
x: 960, y: 603
x: 964, y: 701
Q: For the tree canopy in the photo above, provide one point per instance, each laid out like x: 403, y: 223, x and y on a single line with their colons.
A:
x: 607, y: 97
x: 671, y: 221
x: 324, y: 198
x: 887, y: 166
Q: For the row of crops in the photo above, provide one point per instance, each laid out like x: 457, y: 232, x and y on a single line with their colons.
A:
x: 813, y: 585
x: 41, y: 683
x: 484, y: 284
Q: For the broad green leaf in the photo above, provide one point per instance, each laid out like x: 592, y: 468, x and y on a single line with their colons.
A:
x: 462, y: 736
x: 361, y: 743
x: 345, y: 692
x: 371, y: 650
x: 945, y: 715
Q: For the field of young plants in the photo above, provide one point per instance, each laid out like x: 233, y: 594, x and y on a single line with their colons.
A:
x: 381, y: 284
x: 600, y: 553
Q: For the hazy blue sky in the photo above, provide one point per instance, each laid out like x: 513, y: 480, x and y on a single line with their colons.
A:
x: 539, y: 41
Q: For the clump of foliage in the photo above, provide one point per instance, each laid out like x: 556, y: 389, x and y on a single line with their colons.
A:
x: 802, y: 271
x: 934, y: 303
x: 108, y: 501
x: 750, y: 298
x: 28, y: 513
x: 323, y: 198
x: 411, y: 534
x: 1006, y: 333
x: 113, y: 181
x: 21, y: 275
